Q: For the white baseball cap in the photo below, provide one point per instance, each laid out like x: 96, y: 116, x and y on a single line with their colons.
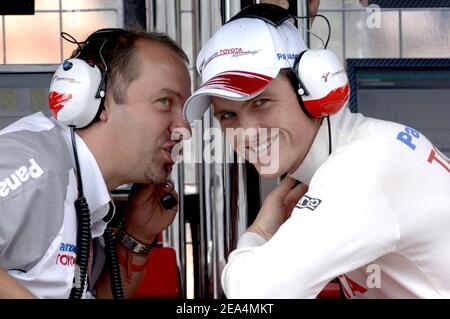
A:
x: 241, y: 59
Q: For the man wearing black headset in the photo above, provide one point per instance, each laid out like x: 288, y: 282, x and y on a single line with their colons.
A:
x: 372, y: 207
x: 116, y: 105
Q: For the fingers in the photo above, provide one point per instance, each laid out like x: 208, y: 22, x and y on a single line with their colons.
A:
x: 170, y: 189
x: 285, y: 186
x: 313, y: 9
x: 140, y: 193
x: 294, y: 196
x: 169, y: 183
x: 282, y: 3
x: 169, y: 197
x: 296, y: 193
x: 167, y: 188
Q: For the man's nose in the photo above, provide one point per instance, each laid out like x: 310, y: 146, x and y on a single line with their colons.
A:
x: 250, y: 129
x: 249, y: 123
x: 180, y: 128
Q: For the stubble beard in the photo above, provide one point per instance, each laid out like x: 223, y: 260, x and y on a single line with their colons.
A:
x: 157, y: 173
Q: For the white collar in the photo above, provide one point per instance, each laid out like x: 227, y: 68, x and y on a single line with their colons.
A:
x: 341, y: 124
x: 94, y: 186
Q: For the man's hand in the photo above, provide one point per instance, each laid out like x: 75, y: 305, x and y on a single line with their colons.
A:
x: 277, y: 207
x: 282, y: 3
x: 313, y: 6
x: 11, y: 289
x: 145, y: 217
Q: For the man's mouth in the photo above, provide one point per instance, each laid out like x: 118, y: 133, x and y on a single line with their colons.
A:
x: 259, y: 148
x: 168, y: 151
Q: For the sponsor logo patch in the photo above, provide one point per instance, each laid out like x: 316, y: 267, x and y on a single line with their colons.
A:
x: 234, y: 52
x: 57, y: 101
x: 67, y: 255
x: 308, y: 202
x: 19, y: 177
x: 326, y: 76
x: 287, y: 56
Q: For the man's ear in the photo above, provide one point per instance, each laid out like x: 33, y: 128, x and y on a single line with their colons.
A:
x: 104, y: 114
x: 109, y: 105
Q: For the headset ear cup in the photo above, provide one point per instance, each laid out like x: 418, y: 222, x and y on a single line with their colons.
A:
x: 297, y: 83
x: 293, y: 78
x: 102, y: 87
x: 78, y: 87
x: 73, y: 90
x: 301, y: 90
x: 327, y: 84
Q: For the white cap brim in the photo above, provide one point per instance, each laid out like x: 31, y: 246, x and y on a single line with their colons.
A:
x: 240, y: 60
x: 233, y: 85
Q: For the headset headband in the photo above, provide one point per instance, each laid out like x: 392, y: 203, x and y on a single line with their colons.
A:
x: 106, y: 35
x: 102, y: 34
x: 270, y: 13
x: 275, y: 16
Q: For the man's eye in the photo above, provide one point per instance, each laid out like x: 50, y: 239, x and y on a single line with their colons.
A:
x: 164, y: 102
x: 227, y: 115
x: 261, y: 102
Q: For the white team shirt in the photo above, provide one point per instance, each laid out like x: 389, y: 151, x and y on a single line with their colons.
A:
x: 31, y: 205
x: 376, y: 215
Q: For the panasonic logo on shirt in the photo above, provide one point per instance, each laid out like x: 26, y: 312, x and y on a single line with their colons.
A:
x: 20, y: 176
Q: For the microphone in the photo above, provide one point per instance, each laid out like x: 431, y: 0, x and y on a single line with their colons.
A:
x: 169, y: 201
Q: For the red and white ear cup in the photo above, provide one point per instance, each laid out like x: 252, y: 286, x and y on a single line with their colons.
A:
x: 72, y: 96
x: 325, y: 81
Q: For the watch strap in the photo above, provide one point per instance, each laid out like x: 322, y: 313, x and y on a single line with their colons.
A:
x: 134, y: 245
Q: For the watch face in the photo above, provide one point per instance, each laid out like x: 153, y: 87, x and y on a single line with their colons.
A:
x: 131, y: 244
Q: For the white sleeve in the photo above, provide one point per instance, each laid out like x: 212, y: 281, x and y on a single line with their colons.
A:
x: 250, y: 239
x: 342, y: 223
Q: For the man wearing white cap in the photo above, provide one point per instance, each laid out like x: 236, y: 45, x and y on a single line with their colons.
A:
x: 372, y: 208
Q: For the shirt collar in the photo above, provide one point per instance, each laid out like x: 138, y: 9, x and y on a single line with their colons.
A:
x: 341, y: 124
x: 94, y: 186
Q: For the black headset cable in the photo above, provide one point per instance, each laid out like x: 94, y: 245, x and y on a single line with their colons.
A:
x: 83, y: 231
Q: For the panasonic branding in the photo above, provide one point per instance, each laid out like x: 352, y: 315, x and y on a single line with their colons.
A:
x: 20, y: 176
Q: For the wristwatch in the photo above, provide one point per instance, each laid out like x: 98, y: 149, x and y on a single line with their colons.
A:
x: 132, y: 244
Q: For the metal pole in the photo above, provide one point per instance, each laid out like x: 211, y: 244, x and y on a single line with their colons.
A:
x: 150, y: 9
x: 168, y: 22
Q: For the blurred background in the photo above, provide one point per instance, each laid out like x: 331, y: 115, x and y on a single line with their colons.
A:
x: 397, y: 55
